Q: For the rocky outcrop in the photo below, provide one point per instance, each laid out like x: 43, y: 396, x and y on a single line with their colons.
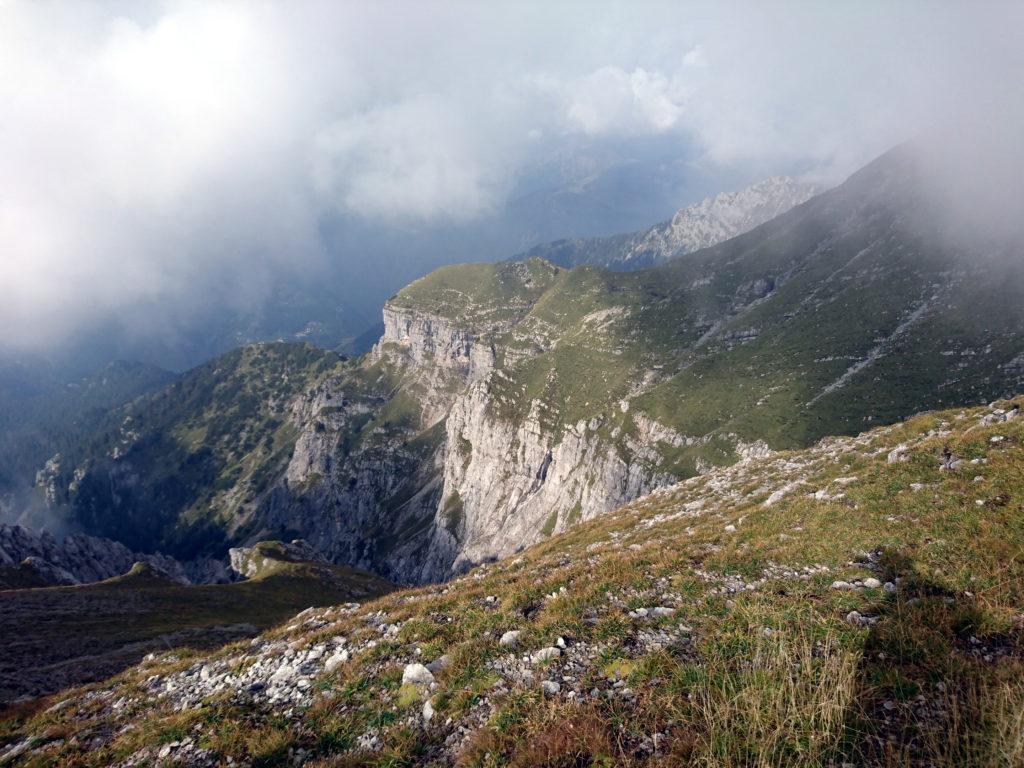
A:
x: 701, y: 225
x: 436, y: 342
x: 716, y: 219
x: 248, y: 562
x: 508, y: 485
x: 440, y: 356
x: 80, y: 559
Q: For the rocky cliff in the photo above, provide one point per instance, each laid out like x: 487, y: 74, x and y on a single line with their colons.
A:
x: 701, y: 225
x: 506, y: 402
x: 79, y: 559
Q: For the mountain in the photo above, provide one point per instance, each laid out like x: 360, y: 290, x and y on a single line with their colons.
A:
x: 168, y: 472
x: 858, y: 602
x: 508, y: 402
x: 707, y: 223
x: 45, y: 407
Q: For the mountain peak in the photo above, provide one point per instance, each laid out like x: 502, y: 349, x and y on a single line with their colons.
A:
x: 700, y: 225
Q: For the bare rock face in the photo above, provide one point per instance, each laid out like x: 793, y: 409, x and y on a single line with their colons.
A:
x: 440, y: 356
x: 459, y: 483
x: 513, y: 484
x: 701, y: 225
x: 718, y: 218
x: 78, y: 559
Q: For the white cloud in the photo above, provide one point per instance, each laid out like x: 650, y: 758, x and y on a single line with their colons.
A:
x: 415, y: 159
x: 158, y: 151
x: 612, y: 101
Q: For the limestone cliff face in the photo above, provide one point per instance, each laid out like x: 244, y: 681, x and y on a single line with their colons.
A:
x: 507, y: 485
x: 455, y: 483
x: 358, y: 486
x: 436, y: 343
x: 440, y: 357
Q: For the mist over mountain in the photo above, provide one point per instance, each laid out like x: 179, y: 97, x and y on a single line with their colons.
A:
x: 521, y: 384
x: 264, y: 171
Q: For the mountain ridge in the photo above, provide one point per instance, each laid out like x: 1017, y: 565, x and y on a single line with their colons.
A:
x: 701, y: 225
x: 508, y: 402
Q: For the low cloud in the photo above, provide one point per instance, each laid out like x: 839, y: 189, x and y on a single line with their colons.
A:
x: 165, y: 155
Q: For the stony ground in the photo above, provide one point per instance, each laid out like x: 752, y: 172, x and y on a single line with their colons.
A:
x: 61, y: 636
x: 857, y: 603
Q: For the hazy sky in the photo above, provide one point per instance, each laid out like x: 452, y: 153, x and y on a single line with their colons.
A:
x: 150, y: 149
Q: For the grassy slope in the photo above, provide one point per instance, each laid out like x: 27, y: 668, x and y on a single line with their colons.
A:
x: 59, y: 636
x: 693, y: 347
x: 479, y: 294
x: 759, y: 665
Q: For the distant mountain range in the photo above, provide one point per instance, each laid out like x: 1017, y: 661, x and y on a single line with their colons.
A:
x: 707, y: 223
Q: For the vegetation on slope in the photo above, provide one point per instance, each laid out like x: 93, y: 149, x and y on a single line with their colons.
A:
x: 43, y: 412
x: 479, y: 294
x: 857, y: 602
x: 175, y: 471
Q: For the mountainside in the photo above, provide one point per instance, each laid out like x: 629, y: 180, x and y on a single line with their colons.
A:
x: 709, y: 222
x: 508, y: 402
x: 176, y: 471
x: 859, y: 602
x: 44, y: 409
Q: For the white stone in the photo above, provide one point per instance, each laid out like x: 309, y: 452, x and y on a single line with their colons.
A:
x: 546, y: 654
x: 510, y: 638
x: 417, y: 674
x: 283, y: 673
x: 335, y: 660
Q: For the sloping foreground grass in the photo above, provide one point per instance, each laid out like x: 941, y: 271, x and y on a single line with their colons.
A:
x: 858, y: 603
